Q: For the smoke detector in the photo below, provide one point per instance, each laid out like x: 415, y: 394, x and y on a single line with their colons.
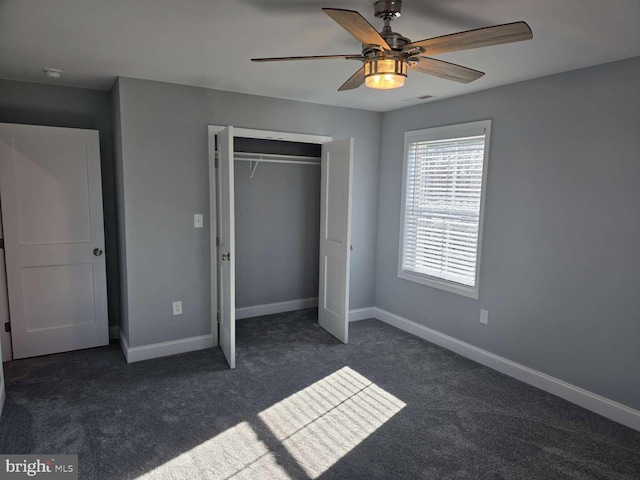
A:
x: 52, y: 72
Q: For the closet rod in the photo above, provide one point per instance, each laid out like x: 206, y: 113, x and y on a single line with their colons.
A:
x: 265, y: 160
x: 274, y: 156
x: 250, y: 157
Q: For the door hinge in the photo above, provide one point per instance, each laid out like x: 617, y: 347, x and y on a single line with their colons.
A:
x: 216, y: 162
x: 217, y: 241
x: 7, y: 327
x: 218, y: 316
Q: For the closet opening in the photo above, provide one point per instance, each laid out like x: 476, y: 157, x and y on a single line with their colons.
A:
x: 280, y: 208
x: 277, y: 223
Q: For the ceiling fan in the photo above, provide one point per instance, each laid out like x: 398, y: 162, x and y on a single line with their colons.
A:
x: 387, y: 55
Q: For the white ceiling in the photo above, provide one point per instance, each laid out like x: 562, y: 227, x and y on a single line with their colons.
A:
x: 209, y: 43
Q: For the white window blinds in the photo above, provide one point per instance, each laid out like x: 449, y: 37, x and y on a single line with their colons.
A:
x: 443, y: 196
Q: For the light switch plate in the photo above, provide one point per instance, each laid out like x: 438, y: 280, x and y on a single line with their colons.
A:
x: 177, y: 307
x: 484, y: 316
x: 198, y: 220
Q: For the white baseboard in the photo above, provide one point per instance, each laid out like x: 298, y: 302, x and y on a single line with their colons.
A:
x: 361, y: 314
x: 164, y: 349
x: 279, y: 307
x: 603, y: 406
x: 156, y: 350
x: 114, y: 332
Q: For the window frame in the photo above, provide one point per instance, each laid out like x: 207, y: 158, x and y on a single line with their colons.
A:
x: 443, y: 133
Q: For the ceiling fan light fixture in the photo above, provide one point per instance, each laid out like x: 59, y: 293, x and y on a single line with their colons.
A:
x: 387, y: 55
x: 385, y: 73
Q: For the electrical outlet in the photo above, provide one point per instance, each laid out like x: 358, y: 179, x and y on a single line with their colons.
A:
x: 177, y: 307
x: 484, y: 316
x: 198, y: 220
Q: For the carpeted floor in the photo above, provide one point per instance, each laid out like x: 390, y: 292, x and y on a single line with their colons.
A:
x: 301, y: 405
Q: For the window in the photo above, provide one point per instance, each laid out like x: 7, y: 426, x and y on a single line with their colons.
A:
x: 443, y: 197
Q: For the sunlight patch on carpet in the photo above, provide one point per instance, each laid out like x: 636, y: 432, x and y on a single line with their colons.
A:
x: 301, y: 436
x: 236, y: 453
x: 325, y: 421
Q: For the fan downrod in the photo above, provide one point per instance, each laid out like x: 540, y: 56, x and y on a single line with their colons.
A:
x: 389, y: 10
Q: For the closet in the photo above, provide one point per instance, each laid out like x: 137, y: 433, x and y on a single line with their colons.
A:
x: 273, y: 262
x: 277, y: 222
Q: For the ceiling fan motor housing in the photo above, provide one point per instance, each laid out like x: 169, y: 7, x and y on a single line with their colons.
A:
x: 394, y: 40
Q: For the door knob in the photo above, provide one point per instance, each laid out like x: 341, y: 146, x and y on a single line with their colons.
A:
x: 226, y: 256
x: 97, y: 252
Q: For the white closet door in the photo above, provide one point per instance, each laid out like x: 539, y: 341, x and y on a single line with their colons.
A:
x: 226, y: 249
x: 51, y: 192
x: 335, y: 237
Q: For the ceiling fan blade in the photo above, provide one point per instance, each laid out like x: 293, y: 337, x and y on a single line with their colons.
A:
x: 447, y: 70
x: 355, y: 56
x: 354, y: 81
x: 481, y: 37
x: 357, y: 25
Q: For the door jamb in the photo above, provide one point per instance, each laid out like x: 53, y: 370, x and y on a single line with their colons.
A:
x: 269, y: 135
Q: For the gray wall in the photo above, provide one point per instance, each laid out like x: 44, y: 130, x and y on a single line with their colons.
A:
x: 277, y: 233
x: 560, y: 260
x: 165, y: 162
x: 35, y: 104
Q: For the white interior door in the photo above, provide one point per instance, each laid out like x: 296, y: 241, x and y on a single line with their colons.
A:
x: 51, y: 192
x: 226, y: 249
x: 335, y: 237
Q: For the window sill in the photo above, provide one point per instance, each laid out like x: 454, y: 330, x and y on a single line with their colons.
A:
x: 469, y: 292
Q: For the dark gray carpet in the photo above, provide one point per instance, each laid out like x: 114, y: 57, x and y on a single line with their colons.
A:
x: 301, y: 405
